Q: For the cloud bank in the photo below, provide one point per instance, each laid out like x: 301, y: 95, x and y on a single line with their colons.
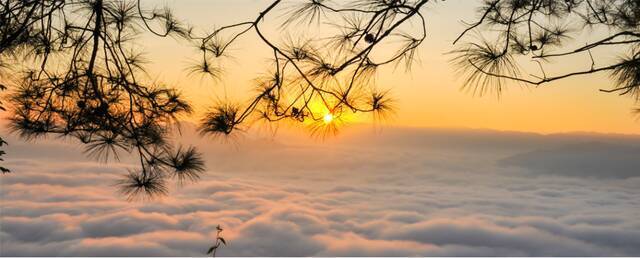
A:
x: 403, y: 192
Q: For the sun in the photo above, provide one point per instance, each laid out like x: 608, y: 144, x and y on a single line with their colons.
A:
x: 328, y: 118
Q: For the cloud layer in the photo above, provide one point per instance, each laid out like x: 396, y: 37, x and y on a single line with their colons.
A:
x: 383, y: 196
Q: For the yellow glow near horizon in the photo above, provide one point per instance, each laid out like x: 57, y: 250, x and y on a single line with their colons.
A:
x: 428, y: 95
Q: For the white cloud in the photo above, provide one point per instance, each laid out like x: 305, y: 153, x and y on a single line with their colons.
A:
x: 388, y: 196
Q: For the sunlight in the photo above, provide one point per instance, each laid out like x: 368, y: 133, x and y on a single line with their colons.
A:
x: 328, y: 118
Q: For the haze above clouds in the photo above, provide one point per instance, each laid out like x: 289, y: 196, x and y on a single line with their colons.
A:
x: 399, y: 192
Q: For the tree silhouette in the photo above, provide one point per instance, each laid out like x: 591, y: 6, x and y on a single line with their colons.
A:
x: 82, y: 80
x: 317, y: 80
x: 546, y: 31
x: 218, y: 243
x: 2, y: 141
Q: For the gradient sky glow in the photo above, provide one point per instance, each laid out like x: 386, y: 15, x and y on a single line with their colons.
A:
x: 428, y: 96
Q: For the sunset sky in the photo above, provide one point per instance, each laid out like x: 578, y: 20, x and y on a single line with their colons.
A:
x: 429, y: 95
x: 546, y: 171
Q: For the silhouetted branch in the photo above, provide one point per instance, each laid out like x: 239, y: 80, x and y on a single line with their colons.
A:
x: 533, y: 29
x: 97, y: 96
x: 311, y: 78
x: 218, y: 243
x: 95, y: 90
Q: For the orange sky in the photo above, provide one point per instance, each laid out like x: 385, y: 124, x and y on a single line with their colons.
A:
x: 428, y: 96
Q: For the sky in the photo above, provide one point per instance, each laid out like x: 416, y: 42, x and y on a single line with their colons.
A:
x: 548, y: 171
x: 429, y: 95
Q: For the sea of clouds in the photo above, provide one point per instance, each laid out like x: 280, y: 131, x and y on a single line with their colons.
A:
x: 398, y: 192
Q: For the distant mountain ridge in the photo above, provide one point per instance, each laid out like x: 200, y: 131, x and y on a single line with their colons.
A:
x: 588, y: 159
